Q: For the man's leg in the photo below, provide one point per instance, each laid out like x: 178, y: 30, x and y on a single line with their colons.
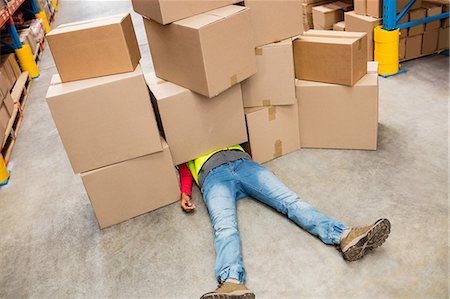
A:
x: 264, y: 186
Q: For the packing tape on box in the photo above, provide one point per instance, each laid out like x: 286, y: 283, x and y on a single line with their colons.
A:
x: 278, y: 147
x: 259, y: 51
x: 272, y: 113
x: 266, y: 103
x: 233, y: 80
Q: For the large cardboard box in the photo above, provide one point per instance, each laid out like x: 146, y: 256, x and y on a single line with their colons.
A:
x: 94, y: 48
x: 413, y: 46
x: 339, y: 26
x: 443, y: 38
x: 430, y: 41
x: 272, y: 131
x: 4, y: 84
x: 432, y: 10
x: 358, y: 23
x: 194, y: 124
x: 7, y: 71
x: 402, y: 49
x: 4, y: 116
x: 372, y: 8
x: 105, y: 120
x: 275, y: 20
x: 168, y: 11
x: 340, y: 117
x: 128, y: 189
x: 331, y: 56
x: 9, y: 103
x: 274, y: 81
x: 325, y: 16
x: 415, y: 15
x: 207, y: 53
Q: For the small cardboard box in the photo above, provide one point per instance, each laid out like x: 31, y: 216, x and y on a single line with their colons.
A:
x: 94, y: 48
x: 402, y: 49
x: 272, y: 131
x: 340, y: 117
x: 443, y: 38
x: 430, y: 41
x: 274, y: 81
x: 131, y: 188
x: 194, y: 124
x: 273, y: 21
x: 207, y: 53
x: 105, y: 120
x: 413, y: 46
x: 338, y: 57
x: 415, y: 15
x: 339, y: 26
x: 372, y: 8
x: 432, y: 10
x: 168, y: 11
x: 358, y: 23
x: 325, y: 16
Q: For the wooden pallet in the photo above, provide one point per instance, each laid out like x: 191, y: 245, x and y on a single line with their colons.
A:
x: 20, y: 91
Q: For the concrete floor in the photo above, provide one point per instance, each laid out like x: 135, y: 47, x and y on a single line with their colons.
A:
x: 51, y: 246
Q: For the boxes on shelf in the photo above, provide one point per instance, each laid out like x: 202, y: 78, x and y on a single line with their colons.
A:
x: 4, y: 118
x: 339, y: 26
x: 168, y: 11
x: 359, y: 23
x: 272, y: 131
x: 415, y: 15
x: 432, y: 10
x: 444, y: 23
x: 10, y: 71
x: 340, y: 117
x: 325, y: 16
x: 274, y: 21
x: 372, y: 8
x: 443, y: 39
x: 401, y: 4
x: 338, y: 57
x: 94, y: 48
x: 131, y: 188
x: 207, y: 53
x: 273, y: 83
x: 413, y: 46
x: 194, y: 124
x: 430, y: 41
x: 404, y: 31
x: 8, y: 102
x: 104, y: 120
x: 402, y: 49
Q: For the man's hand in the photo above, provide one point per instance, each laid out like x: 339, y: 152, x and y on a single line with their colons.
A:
x: 186, y: 203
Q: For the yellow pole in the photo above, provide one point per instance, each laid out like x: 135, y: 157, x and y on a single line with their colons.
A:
x: 55, y: 5
x: 4, y: 174
x: 26, y: 60
x: 44, y: 19
x: 386, y: 50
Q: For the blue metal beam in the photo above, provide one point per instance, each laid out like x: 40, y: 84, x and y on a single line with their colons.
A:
x: 424, y: 20
x: 404, y: 11
x: 16, y: 44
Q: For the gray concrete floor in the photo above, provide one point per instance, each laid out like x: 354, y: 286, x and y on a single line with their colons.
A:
x: 51, y: 246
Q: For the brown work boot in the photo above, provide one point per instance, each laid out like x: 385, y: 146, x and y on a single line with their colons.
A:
x: 229, y: 290
x: 363, y: 239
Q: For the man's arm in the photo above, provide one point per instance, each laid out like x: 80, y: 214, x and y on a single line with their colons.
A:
x: 186, y: 188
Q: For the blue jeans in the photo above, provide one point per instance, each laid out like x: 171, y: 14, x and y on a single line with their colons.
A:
x: 227, y: 183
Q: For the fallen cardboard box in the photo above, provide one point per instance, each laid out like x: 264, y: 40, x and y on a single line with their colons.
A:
x: 338, y: 57
x: 128, y: 189
x: 339, y: 117
x: 94, y: 48
x: 272, y: 131
x: 105, y: 120
x: 207, y: 53
x: 194, y: 124
x: 274, y: 81
x: 168, y: 11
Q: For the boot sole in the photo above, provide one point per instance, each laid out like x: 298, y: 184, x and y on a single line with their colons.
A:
x: 374, y: 238
x: 229, y: 296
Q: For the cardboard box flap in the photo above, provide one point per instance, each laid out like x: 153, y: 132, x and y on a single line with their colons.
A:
x: 162, y: 89
x: 333, y: 34
x: 205, y: 19
x: 252, y: 110
x: 329, y: 40
x: 82, y: 25
x: 364, y: 18
x: 283, y: 43
x: 57, y: 88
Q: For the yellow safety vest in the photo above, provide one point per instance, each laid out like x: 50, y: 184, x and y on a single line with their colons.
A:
x: 195, y: 165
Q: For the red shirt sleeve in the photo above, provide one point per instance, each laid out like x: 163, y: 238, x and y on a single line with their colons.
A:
x: 185, y: 179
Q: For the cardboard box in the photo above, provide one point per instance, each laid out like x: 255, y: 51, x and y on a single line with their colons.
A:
x: 8, y: 72
x: 331, y: 56
x: 404, y: 31
x: 105, y: 120
x: 207, y: 53
x: 4, y: 84
x: 274, y: 81
x: 358, y: 23
x: 402, y: 49
x: 325, y: 16
x: 444, y: 23
x: 430, y: 41
x: 340, y: 117
x: 194, y: 124
x: 168, y: 11
x: 9, y: 103
x: 414, y: 15
x: 14, y: 65
x: 360, y: 7
x: 339, y: 26
x: 4, y: 116
x: 131, y: 188
x: 432, y: 10
x: 272, y: 131
x: 443, y: 39
x: 273, y: 21
x: 401, y: 4
x: 413, y: 46
x: 94, y: 48
x: 372, y: 8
